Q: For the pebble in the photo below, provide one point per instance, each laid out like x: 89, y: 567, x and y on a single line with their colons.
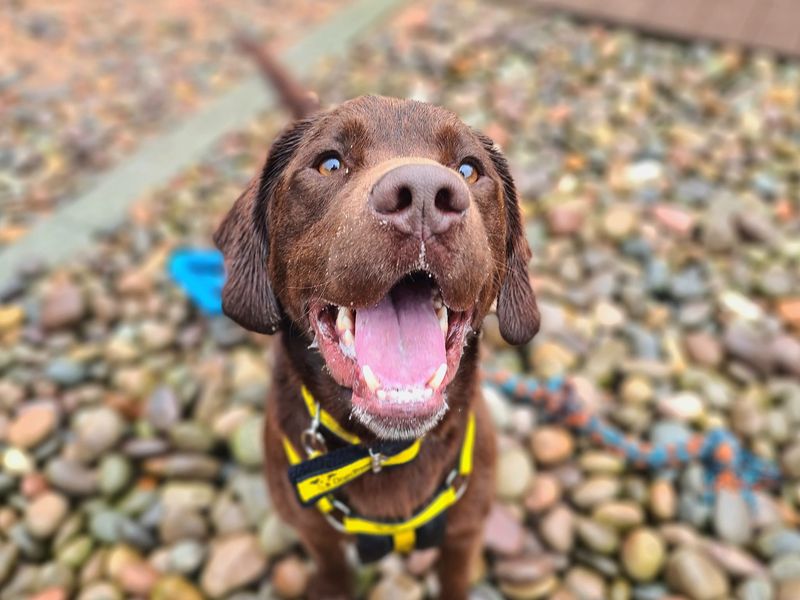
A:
x: 233, y: 562
x: 45, y: 513
x: 551, y: 445
x: 643, y: 554
x: 33, y: 424
x: 691, y: 573
x: 558, y: 528
x: 514, y: 472
x: 289, y: 577
x: 732, y: 521
x: 664, y: 261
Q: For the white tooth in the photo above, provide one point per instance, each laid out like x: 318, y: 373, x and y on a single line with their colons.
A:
x: 381, y: 394
x: 438, y: 377
x: 442, y: 314
x: 437, y: 301
x: 347, y: 338
x: 344, y: 320
x: 369, y: 377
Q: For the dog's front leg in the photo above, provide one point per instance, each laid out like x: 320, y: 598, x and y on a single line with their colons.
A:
x: 333, y: 578
x: 457, y: 561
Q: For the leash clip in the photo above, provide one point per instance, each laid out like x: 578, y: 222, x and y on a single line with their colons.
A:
x: 377, y: 460
x: 312, y: 440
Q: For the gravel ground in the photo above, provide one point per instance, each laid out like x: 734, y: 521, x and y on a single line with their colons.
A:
x: 661, y: 199
x: 115, y: 73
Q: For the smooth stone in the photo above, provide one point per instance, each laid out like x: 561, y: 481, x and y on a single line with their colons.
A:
x: 45, y: 513
x: 183, y: 466
x: 290, y: 577
x: 8, y: 560
x: 544, y: 492
x: 65, y: 371
x: 75, y: 552
x: 71, y: 477
x: 558, y: 528
x: 502, y: 533
x: 397, y: 586
x: 17, y: 462
x: 172, y: 587
x: 755, y: 589
x: 551, y: 445
x: 98, y: 429
x: 101, y: 590
x: 187, y: 556
x: 63, y: 305
x: 785, y: 567
x: 187, y: 495
x: 585, y: 583
x: 620, y: 514
x: 114, y: 474
x: 163, y: 409
x: 778, y: 541
x: 276, y: 536
x: 643, y: 554
x: 233, y: 562
x: 788, y: 590
x: 33, y: 424
x: 691, y: 573
x: 597, y: 537
x: 246, y: 443
x: 663, y: 500
x: 731, y: 517
x: 178, y: 524
x: 534, y: 590
x: 736, y: 561
x: 524, y: 569
x: 596, y: 490
x: 514, y: 473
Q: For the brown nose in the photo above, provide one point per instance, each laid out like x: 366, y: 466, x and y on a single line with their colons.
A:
x: 422, y: 200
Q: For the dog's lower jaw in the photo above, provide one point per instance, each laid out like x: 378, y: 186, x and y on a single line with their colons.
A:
x: 399, y: 428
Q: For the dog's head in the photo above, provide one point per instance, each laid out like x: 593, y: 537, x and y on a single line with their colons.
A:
x: 385, y: 229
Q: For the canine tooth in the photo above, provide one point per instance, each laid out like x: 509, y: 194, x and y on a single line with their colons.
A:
x: 344, y: 319
x: 347, y: 337
x: 442, y: 314
x: 369, y: 377
x: 438, y: 377
x: 437, y: 301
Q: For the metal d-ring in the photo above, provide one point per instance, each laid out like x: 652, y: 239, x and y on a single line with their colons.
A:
x: 311, y: 438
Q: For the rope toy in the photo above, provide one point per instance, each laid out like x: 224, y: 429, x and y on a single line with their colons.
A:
x: 727, y: 464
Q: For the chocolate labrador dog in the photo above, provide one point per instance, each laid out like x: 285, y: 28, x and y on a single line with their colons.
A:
x: 373, y: 242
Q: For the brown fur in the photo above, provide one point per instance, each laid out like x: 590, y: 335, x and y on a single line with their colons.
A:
x: 295, y: 236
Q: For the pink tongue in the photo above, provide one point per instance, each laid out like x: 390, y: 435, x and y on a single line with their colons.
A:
x: 400, y: 338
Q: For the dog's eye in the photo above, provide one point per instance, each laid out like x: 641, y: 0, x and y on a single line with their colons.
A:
x: 329, y: 165
x: 468, y: 172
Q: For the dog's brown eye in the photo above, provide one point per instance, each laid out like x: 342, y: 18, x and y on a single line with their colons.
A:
x: 329, y: 165
x: 468, y: 172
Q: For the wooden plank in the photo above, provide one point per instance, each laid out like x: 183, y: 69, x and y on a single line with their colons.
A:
x: 771, y: 24
x: 778, y: 26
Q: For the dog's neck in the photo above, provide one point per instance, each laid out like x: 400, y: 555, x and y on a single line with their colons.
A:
x: 303, y: 365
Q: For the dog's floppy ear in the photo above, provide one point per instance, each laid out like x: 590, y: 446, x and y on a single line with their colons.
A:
x: 517, y: 311
x: 243, y: 238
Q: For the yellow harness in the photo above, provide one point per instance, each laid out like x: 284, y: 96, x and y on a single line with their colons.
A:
x: 316, y: 478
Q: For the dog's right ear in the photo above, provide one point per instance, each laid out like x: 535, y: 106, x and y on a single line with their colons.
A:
x: 243, y: 237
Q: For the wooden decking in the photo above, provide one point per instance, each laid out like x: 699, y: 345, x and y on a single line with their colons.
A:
x: 769, y: 24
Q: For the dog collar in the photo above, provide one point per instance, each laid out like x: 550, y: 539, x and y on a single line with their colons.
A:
x: 316, y: 478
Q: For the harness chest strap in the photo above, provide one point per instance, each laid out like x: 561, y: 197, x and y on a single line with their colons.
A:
x: 316, y: 478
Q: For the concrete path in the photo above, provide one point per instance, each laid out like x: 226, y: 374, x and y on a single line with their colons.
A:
x: 160, y: 159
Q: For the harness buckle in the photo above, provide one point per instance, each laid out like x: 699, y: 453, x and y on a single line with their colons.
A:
x: 377, y: 460
x: 312, y: 440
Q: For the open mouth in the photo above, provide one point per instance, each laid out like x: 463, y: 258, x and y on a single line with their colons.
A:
x: 397, y: 356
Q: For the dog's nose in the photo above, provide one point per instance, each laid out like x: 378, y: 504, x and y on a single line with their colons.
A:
x: 422, y: 200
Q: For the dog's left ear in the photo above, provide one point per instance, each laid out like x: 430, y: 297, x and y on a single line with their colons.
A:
x: 517, y: 311
x: 243, y: 237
